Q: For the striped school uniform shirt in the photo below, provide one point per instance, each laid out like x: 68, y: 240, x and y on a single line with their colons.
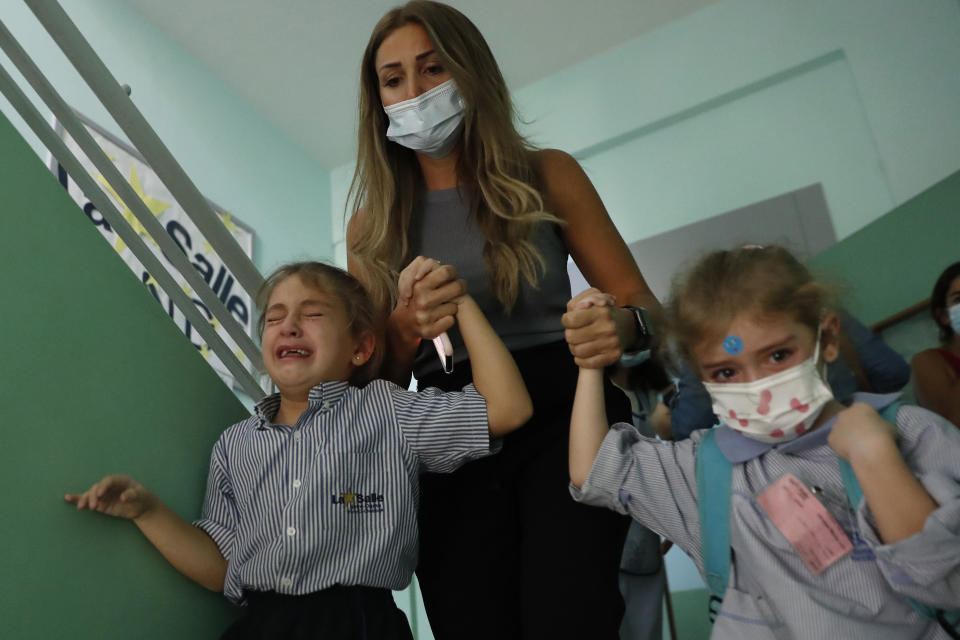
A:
x: 771, y: 593
x: 333, y: 499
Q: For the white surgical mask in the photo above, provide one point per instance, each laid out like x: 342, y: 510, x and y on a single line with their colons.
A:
x: 430, y: 123
x: 955, y: 317
x: 774, y: 409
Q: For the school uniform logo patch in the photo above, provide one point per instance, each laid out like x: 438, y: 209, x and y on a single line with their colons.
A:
x: 353, y: 502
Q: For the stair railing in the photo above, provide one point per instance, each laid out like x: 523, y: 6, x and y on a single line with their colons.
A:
x: 115, y: 99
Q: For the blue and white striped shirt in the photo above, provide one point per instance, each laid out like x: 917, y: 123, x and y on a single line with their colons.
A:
x: 771, y: 593
x: 333, y: 499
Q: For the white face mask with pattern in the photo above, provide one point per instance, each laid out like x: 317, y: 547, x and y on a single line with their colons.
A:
x: 430, y: 123
x: 774, y: 409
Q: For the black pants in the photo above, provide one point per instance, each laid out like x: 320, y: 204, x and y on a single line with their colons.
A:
x: 336, y: 613
x: 505, y: 552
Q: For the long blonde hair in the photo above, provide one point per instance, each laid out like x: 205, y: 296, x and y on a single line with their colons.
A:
x: 506, y: 204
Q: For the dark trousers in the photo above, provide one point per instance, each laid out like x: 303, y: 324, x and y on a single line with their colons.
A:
x: 505, y: 552
x: 336, y: 613
x: 642, y: 581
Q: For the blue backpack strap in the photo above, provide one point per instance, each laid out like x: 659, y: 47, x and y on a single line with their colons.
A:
x: 850, y: 484
x: 714, y: 474
x: 889, y: 412
x: 949, y: 620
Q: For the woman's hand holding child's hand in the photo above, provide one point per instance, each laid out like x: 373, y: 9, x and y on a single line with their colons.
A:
x: 428, y: 293
x: 860, y: 431
x: 116, y: 495
x: 594, y: 328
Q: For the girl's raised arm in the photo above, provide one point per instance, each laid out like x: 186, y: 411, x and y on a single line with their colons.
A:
x: 588, y: 420
x: 495, y: 373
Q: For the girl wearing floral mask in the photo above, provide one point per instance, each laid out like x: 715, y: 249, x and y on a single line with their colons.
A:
x: 442, y: 172
x: 936, y: 372
x: 806, y: 558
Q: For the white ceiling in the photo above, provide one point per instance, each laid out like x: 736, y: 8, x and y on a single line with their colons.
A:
x: 297, y: 61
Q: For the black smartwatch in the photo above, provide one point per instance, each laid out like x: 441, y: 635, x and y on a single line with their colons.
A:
x: 669, y: 395
x: 644, y: 332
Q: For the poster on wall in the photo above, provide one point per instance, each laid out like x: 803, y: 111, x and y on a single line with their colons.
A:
x: 179, y: 226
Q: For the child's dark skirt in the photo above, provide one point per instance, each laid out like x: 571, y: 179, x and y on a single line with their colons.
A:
x: 340, y: 613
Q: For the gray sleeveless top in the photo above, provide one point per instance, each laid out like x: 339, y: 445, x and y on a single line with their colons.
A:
x: 441, y: 228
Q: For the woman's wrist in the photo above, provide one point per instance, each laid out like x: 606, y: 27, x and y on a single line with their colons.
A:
x: 638, y: 332
x: 625, y: 328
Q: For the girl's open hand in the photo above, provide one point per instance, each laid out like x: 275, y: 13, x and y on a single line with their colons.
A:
x: 860, y: 431
x: 427, y: 292
x: 115, y: 495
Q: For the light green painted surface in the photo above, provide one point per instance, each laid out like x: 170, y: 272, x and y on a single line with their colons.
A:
x: 892, y: 263
x: 96, y: 380
x: 802, y: 127
x: 902, y: 56
x: 690, y: 615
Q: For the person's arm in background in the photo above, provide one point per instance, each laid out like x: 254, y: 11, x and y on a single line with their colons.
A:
x: 871, y: 359
x: 644, y: 383
x: 691, y: 408
x: 936, y: 385
x: 597, y: 335
x: 660, y: 422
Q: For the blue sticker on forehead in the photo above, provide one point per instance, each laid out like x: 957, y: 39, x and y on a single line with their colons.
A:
x: 733, y: 345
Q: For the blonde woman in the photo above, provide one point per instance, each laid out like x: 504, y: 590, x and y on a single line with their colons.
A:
x: 442, y: 172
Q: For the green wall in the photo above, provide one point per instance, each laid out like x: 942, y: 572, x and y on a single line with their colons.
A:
x: 96, y: 380
x: 892, y: 263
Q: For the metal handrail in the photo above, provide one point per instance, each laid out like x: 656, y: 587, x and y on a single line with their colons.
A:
x: 161, y: 161
x: 98, y: 77
x: 138, y: 208
x: 139, y: 248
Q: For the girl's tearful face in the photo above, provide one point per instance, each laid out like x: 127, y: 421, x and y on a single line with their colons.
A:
x: 307, y: 337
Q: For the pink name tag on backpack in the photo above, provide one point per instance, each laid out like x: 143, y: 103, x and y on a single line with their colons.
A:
x: 805, y: 523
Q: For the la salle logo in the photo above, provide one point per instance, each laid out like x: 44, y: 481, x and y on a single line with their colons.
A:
x: 372, y: 502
